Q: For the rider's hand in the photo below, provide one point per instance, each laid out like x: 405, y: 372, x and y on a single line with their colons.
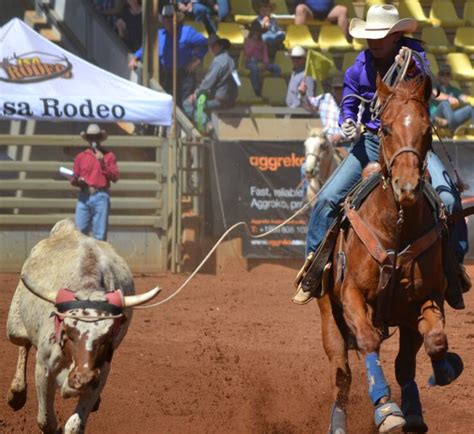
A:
x: 401, y: 56
x: 350, y: 130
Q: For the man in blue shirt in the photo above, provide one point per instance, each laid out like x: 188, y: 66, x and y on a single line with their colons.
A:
x: 192, y: 47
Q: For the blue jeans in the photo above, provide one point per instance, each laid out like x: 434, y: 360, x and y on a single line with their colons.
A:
x: 273, y: 41
x: 224, y: 9
x: 203, y: 13
x: 254, y: 67
x: 455, y: 117
x: 92, y: 211
x: 349, y: 172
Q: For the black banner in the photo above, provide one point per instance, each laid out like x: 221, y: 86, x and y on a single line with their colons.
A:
x: 260, y: 183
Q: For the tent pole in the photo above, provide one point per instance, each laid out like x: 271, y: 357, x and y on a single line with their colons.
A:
x: 146, y: 42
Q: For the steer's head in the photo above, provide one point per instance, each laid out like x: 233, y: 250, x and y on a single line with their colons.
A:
x: 86, y: 325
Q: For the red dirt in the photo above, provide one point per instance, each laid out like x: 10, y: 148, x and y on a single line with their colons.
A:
x: 231, y: 354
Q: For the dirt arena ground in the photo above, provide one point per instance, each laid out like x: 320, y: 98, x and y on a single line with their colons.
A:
x: 231, y: 354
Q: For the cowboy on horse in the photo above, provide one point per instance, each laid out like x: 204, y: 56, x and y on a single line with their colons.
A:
x: 384, y: 33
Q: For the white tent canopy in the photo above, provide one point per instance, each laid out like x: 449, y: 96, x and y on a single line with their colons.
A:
x: 39, y: 80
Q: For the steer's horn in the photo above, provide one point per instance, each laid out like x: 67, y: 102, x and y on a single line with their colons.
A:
x: 44, y: 293
x: 135, y: 300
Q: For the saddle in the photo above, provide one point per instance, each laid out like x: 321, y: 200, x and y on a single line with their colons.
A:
x: 315, y: 274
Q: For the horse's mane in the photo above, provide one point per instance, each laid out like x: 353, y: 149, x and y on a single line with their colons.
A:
x: 408, y: 89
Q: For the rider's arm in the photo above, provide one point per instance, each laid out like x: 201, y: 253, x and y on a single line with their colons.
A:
x: 351, y: 86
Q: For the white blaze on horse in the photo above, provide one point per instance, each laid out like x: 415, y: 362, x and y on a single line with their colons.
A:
x: 73, y: 304
x: 321, y: 159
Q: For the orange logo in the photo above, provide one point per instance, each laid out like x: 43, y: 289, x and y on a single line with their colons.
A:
x: 34, y: 67
x: 265, y: 163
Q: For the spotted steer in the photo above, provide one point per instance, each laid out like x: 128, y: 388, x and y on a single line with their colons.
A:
x: 73, y: 305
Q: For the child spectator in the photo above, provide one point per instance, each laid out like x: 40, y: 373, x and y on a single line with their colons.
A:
x: 129, y: 24
x: 256, y: 57
x: 272, y: 34
x: 451, y: 107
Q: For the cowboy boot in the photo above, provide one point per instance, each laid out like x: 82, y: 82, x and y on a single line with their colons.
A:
x: 303, y: 296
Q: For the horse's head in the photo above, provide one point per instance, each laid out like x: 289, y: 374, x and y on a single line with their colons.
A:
x: 317, y: 149
x: 405, y: 135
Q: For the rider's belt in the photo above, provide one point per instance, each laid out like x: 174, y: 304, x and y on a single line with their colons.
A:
x: 93, y: 190
x: 373, y: 131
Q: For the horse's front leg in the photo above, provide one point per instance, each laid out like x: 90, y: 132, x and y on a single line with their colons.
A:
x: 446, y: 366
x: 388, y: 416
x: 335, y: 346
x: 405, y: 371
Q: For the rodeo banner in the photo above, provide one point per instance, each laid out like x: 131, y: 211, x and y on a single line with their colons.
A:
x: 39, y: 80
x: 260, y: 183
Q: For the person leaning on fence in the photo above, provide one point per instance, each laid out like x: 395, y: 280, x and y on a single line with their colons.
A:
x: 192, y: 47
x: 218, y: 89
x: 94, y: 170
x: 383, y: 30
x: 295, y: 93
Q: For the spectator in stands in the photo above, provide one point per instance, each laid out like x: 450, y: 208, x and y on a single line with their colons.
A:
x: 218, y: 89
x: 295, y: 93
x: 192, y: 47
x: 129, y: 24
x: 322, y: 10
x: 204, y: 10
x: 451, y: 107
x: 272, y: 34
x: 94, y: 169
x: 327, y: 105
x: 109, y: 9
x: 256, y: 57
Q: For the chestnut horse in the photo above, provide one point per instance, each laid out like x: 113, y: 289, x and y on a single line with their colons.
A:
x: 395, y: 217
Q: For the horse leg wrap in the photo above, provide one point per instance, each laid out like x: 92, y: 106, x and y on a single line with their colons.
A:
x: 378, y: 387
x: 446, y: 370
x: 338, y: 420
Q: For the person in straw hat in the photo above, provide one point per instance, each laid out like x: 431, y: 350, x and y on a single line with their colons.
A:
x: 383, y: 31
x: 94, y: 170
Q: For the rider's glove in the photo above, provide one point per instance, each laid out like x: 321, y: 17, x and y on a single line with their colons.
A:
x: 349, y: 128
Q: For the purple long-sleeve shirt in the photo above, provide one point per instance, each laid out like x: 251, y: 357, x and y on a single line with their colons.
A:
x: 360, y: 79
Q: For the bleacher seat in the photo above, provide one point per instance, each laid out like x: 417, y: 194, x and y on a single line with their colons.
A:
x: 332, y: 38
x: 468, y: 13
x: 436, y: 40
x: 464, y: 39
x: 443, y: 13
x: 282, y: 59
x: 232, y: 32
x: 461, y: 66
x: 433, y: 63
x: 348, y: 60
x: 413, y: 9
x: 199, y: 27
x: 274, y: 90
x: 246, y: 94
x: 359, y: 44
x: 243, y: 11
x: 299, y: 34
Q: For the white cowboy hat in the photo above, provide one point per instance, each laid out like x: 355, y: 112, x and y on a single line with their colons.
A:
x: 94, y: 130
x: 298, y: 51
x: 381, y: 21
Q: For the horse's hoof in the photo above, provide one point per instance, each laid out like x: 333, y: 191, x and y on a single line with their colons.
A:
x: 415, y: 424
x: 16, y: 399
x: 445, y: 371
x: 338, y: 420
x: 389, y: 417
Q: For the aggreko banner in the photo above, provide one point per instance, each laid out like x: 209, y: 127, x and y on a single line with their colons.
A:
x: 39, y: 80
x: 260, y: 184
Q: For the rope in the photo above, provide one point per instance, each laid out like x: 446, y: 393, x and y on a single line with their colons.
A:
x: 219, y: 241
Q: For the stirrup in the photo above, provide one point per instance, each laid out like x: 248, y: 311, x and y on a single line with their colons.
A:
x: 301, y: 296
